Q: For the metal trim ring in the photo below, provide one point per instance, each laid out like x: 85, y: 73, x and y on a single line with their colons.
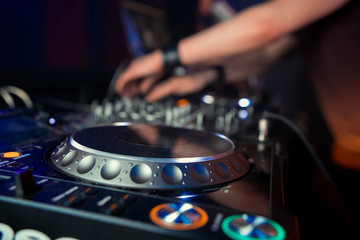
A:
x: 153, y: 173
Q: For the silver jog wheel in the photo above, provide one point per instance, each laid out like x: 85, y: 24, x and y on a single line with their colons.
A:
x: 144, y: 156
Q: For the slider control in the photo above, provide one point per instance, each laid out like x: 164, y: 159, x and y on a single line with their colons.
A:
x: 25, y: 183
x: 120, y: 205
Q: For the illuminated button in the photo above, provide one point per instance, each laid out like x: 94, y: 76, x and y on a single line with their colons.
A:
x: 178, y: 216
x: 244, y: 102
x: 243, y: 114
x: 182, y: 102
x: 246, y: 227
x: 171, y: 174
x: 11, y: 154
x: 208, y: 99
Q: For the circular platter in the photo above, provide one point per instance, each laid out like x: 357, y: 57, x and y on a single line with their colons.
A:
x: 144, y: 156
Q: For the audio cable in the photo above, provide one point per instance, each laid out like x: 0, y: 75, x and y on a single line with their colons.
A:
x: 263, y: 130
x: 7, y: 93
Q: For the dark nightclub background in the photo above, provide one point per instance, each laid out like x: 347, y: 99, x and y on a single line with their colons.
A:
x: 70, y: 49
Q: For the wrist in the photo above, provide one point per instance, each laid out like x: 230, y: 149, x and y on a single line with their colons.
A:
x: 170, y: 58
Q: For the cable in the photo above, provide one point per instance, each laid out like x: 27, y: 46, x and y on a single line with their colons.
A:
x: 6, y: 92
x: 314, y: 155
x: 7, y: 98
x: 304, y: 140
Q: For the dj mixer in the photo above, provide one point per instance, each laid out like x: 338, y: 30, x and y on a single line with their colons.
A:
x: 128, y: 169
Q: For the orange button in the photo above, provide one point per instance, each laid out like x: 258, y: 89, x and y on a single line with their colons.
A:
x: 182, y: 102
x: 11, y: 154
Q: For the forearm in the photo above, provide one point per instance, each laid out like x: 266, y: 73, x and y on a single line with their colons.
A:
x: 242, y: 33
x: 279, y: 47
x: 253, y: 28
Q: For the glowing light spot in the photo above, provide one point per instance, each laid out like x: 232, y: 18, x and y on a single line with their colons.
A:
x: 52, y: 121
x: 182, y: 102
x: 243, y: 114
x: 186, y: 196
x: 208, y: 99
x: 11, y: 154
x: 244, y: 102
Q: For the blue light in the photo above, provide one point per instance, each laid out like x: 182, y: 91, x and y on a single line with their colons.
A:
x: 186, y: 196
x: 243, y: 114
x: 244, y: 102
x: 52, y: 121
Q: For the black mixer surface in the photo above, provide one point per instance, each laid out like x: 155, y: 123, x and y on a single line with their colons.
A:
x: 140, y: 181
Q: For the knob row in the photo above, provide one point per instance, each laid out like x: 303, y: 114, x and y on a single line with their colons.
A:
x: 148, y: 173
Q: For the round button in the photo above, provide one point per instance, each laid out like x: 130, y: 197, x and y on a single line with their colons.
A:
x: 199, y: 173
x: 171, y: 174
x: 11, y: 154
x: 69, y: 158
x: 86, y: 164
x: 140, y: 173
x: 178, y: 216
x: 252, y: 227
x: 222, y: 170
x: 110, y: 170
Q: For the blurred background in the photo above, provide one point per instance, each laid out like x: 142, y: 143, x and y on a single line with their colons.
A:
x: 69, y: 50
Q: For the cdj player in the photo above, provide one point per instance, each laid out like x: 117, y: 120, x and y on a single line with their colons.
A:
x: 128, y: 170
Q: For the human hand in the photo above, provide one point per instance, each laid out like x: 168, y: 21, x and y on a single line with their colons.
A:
x: 148, y: 68
x: 236, y: 68
x: 179, y: 85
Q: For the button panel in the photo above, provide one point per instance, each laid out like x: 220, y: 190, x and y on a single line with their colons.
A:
x: 195, y: 221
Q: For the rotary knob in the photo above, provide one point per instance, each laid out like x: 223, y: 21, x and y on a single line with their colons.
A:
x: 178, y: 216
x: 252, y: 227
